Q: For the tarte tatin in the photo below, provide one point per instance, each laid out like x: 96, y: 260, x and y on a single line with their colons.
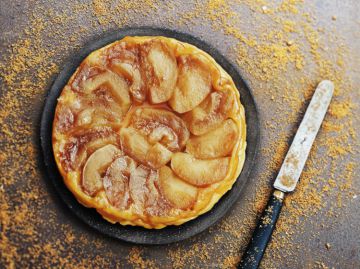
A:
x: 150, y: 132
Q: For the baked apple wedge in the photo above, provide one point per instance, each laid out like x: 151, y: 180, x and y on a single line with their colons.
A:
x: 137, y: 186
x: 210, y: 113
x: 197, y: 172
x: 158, y: 156
x: 161, y: 72
x: 132, y: 74
x: 161, y: 125
x: 179, y: 193
x: 123, y: 60
x: 117, y: 86
x: 116, y: 181
x: 136, y: 146
x: 95, y: 166
x: 100, y: 114
x: 193, y: 85
x: 152, y: 202
x: 216, y: 143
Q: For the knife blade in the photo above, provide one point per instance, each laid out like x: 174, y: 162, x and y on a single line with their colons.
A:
x: 289, y: 173
x: 299, y: 150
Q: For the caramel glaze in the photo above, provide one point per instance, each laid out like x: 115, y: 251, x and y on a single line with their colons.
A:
x: 87, y: 121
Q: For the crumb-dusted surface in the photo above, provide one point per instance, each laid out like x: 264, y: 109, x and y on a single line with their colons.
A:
x: 283, y: 48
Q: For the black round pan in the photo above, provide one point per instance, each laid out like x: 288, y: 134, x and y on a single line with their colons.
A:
x: 137, y: 234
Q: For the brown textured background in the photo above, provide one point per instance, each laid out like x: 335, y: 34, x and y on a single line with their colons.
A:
x: 284, y: 48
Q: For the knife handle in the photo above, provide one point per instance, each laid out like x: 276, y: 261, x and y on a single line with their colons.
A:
x: 261, y: 236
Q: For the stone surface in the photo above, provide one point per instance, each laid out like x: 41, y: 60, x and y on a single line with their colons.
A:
x: 37, y: 230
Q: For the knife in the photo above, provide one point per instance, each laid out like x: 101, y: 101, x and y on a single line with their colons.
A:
x: 289, y: 173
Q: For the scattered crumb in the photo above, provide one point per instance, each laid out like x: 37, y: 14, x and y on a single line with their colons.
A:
x: 283, y: 59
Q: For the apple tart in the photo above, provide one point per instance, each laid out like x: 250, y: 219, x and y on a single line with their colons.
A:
x: 150, y: 132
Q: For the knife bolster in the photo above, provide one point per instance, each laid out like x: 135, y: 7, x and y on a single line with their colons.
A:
x: 279, y: 194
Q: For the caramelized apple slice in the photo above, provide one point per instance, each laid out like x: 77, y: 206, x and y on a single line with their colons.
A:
x: 160, y: 66
x: 193, y: 85
x: 198, y: 172
x: 216, y: 143
x: 124, y: 61
x: 95, y: 165
x: 94, y: 116
x: 85, y: 117
x: 99, y: 115
x: 137, y: 186
x: 132, y: 73
x: 135, y: 145
x: 210, y: 113
x: 144, y: 191
x: 179, y: 193
x: 64, y: 119
x: 84, y: 72
x: 158, y: 156
x: 153, y: 202
x: 116, y: 181
x: 153, y: 193
x: 74, y: 150
x: 161, y: 126
x: 111, y: 81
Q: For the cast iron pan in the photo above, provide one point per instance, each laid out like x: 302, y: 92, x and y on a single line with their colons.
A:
x: 137, y: 234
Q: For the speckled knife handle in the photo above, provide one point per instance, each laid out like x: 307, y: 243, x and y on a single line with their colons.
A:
x: 261, y: 236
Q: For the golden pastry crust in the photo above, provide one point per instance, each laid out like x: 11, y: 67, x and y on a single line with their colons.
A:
x: 150, y: 132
